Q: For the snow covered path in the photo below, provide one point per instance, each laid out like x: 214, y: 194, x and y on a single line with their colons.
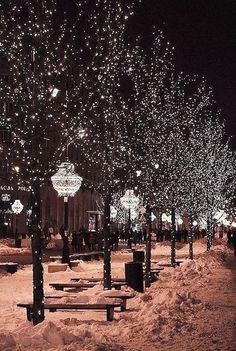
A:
x: 192, y: 307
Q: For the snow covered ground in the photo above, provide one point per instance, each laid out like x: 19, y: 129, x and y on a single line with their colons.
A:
x: 192, y: 307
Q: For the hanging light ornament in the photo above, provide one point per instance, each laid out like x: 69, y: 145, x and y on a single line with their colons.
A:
x: 129, y: 200
x: 65, y: 181
x: 113, y: 212
x: 17, y: 207
x: 134, y: 213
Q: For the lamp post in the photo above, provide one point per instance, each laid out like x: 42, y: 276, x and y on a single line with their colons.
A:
x: 130, y: 202
x: 66, y: 182
x: 17, y: 207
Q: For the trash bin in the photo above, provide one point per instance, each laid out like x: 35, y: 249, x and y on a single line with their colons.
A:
x: 134, y: 275
x: 18, y: 243
x: 138, y: 256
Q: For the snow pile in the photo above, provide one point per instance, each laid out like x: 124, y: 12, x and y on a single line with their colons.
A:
x: 7, y: 242
x: 166, y: 312
x: 68, y: 334
x: 55, y: 243
x: 6, y: 248
x: 7, y: 341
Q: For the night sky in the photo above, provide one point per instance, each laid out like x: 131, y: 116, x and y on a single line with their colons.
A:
x: 203, y: 33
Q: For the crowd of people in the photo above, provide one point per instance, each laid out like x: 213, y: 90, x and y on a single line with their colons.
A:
x: 84, y: 240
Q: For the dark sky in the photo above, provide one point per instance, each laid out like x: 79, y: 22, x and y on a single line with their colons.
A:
x: 203, y: 33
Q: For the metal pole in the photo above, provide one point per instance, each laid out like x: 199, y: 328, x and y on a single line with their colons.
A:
x: 148, y: 249
x: 173, y: 237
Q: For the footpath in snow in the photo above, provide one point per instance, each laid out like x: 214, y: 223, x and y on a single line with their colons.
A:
x: 192, y: 307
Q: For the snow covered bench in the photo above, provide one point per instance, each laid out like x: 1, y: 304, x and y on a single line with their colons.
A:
x: 83, y: 286
x: 53, y: 307
x: 96, y: 280
x: 122, y: 296
x: 84, y: 256
x: 9, y: 267
x: 87, y: 256
x: 177, y: 263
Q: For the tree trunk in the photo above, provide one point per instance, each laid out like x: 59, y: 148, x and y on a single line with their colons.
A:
x: 173, y: 237
x: 190, y: 239
x: 209, y: 232
x: 37, y: 241
x: 148, y: 248
x: 107, y: 249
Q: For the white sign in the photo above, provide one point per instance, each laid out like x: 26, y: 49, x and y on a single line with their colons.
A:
x: 17, y: 207
x: 6, y: 197
x: 6, y: 187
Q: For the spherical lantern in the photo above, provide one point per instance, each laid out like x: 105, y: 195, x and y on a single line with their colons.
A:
x: 129, y: 200
x: 17, y: 207
x: 65, y: 181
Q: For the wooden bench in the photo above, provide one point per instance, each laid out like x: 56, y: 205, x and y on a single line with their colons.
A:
x: 177, y: 263
x: 9, y: 267
x: 83, y: 286
x: 122, y: 297
x: 53, y: 307
x: 94, y: 280
x: 86, y: 256
x: 55, y: 258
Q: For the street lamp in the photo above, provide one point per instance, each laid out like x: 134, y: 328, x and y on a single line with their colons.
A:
x: 129, y: 201
x: 17, y: 206
x: 66, y: 182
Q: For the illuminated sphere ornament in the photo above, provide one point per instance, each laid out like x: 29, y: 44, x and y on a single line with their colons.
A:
x: 129, y: 200
x: 17, y: 207
x: 65, y: 181
x: 194, y: 223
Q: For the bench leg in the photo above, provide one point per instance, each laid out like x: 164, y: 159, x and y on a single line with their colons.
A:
x: 123, y: 305
x: 110, y: 313
x: 29, y: 312
x: 59, y: 288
